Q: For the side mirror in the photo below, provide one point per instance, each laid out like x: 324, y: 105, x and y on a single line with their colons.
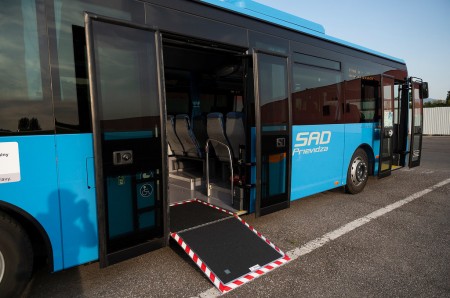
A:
x: 424, y: 90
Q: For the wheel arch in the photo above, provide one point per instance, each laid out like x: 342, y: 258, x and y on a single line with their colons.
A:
x: 40, y: 241
x: 370, y: 155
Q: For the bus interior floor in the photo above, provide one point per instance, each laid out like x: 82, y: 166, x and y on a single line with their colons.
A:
x: 177, y: 194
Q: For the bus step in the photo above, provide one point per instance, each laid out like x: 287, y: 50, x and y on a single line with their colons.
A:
x: 185, y: 180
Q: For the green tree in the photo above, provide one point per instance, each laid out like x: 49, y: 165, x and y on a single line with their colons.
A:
x: 435, y: 103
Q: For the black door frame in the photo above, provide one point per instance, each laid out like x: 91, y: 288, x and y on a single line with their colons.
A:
x: 386, y: 133
x: 106, y: 259
x: 416, y: 130
x: 259, y: 210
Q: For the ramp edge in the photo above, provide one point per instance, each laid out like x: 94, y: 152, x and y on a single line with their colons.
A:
x: 261, y: 271
x: 204, y: 203
x: 224, y: 288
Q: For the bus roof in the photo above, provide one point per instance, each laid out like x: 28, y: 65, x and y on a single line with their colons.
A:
x: 275, y: 16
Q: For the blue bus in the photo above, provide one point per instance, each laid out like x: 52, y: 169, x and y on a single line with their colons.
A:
x: 113, y: 111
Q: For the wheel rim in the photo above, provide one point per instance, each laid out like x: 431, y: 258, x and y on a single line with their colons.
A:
x: 2, y: 266
x: 359, y: 171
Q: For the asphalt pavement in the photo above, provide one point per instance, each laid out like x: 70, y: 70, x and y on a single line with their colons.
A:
x: 391, y: 240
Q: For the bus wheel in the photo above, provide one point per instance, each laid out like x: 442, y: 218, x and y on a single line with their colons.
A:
x: 358, y: 172
x: 16, y: 257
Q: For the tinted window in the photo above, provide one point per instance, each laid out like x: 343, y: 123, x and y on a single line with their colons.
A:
x: 126, y: 78
x: 316, y: 61
x: 361, y: 100
x: 355, y: 68
x: 214, y: 103
x: 24, y: 105
x: 273, y: 93
x: 268, y: 42
x: 369, y: 100
x: 125, y: 64
x: 316, y: 95
x: 177, y: 103
x: 68, y: 55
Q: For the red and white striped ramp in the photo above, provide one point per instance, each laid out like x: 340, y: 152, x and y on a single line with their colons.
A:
x: 228, y: 250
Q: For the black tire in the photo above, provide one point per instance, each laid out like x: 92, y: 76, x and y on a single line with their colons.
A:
x: 358, y: 172
x: 16, y: 257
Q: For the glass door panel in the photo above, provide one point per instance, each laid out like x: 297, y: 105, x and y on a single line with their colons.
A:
x: 272, y: 133
x: 417, y: 125
x: 127, y: 139
x: 387, y: 126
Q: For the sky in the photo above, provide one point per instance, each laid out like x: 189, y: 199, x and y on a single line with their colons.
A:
x: 415, y: 31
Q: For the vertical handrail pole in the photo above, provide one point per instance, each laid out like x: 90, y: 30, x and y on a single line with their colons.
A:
x: 231, y: 166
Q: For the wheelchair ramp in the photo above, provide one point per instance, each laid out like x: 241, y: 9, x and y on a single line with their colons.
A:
x: 228, y: 250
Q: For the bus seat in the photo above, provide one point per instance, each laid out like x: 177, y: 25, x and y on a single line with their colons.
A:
x: 235, y: 132
x: 186, y: 136
x: 172, y: 138
x: 215, y: 129
x: 199, y: 129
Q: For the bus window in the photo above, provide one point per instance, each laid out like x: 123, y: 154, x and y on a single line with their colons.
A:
x: 273, y: 93
x: 397, y: 105
x: 268, y: 42
x: 214, y: 103
x: 361, y: 97
x: 369, y: 99
x: 68, y: 55
x: 316, y: 95
x: 206, y: 103
x: 238, y: 103
x: 24, y: 108
x: 177, y: 103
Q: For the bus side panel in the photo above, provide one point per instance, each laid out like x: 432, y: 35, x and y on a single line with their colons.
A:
x: 37, y: 191
x: 355, y: 135
x: 317, y: 153
x: 78, y: 200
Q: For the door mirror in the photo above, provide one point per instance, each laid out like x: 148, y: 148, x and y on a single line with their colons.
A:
x: 424, y: 90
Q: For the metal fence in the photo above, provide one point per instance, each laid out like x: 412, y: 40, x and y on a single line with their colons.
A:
x: 436, y: 121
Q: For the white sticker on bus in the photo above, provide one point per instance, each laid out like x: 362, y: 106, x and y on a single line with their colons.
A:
x: 9, y: 162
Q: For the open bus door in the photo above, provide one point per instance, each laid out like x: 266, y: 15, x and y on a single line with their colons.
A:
x: 387, y: 126
x: 419, y: 90
x: 127, y: 105
x: 272, y: 132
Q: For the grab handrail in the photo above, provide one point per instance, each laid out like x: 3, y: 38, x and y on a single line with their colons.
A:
x: 207, y: 166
